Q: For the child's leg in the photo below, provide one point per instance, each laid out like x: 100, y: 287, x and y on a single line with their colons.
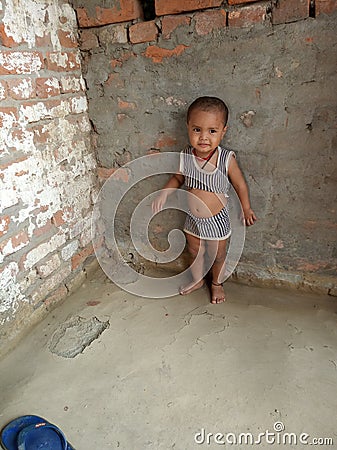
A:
x: 196, y: 249
x: 217, y: 251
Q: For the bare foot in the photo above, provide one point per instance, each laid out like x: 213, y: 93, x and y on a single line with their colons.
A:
x: 191, y: 287
x: 218, y: 294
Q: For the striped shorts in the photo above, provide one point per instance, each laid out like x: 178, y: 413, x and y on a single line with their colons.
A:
x: 214, y: 228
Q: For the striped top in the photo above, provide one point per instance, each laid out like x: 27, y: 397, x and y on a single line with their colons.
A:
x: 197, y: 178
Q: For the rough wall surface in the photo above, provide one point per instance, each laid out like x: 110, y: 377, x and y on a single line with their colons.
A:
x: 274, y: 63
x: 48, y: 168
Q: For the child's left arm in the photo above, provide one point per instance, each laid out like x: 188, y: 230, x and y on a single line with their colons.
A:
x: 236, y: 178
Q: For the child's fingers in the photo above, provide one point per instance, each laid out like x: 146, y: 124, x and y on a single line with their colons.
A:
x: 157, y: 205
x: 251, y: 220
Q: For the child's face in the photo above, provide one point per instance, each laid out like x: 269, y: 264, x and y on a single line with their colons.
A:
x: 205, y: 130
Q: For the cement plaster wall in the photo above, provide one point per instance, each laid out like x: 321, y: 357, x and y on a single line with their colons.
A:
x: 280, y: 84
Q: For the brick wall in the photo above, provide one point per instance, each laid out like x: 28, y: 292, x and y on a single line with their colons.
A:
x: 274, y: 62
x: 48, y: 168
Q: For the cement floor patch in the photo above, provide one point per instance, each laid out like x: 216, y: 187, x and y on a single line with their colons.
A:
x: 73, y: 336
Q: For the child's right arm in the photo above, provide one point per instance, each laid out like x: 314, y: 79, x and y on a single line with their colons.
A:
x: 175, y: 182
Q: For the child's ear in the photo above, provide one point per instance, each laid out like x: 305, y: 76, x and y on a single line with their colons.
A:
x: 224, y: 131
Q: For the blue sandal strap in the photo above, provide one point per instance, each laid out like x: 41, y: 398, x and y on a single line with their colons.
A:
x: 38, y: 431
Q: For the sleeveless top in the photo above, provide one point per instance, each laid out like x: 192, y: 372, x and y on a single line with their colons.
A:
x: 197, y: 178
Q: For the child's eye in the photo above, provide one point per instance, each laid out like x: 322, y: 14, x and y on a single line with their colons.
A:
x: 196, y: 130
x: 212, y: 131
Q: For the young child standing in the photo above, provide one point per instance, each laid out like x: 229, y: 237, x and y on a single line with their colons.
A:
x: 206, y: 169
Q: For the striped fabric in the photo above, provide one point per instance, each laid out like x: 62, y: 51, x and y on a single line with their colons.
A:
x: 198, y: 178
x: 214, y: 228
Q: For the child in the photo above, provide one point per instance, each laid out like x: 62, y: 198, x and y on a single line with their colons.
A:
x: 206, y: 169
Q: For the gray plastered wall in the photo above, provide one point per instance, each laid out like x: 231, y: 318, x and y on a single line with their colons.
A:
x: 280, y: 85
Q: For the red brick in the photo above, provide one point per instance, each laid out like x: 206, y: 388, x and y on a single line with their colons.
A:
x: 206, y: 22
x: 290, y: 11
x: 63, y: 61
x: 240, y: 2
x: 143, y: 32
x: 127, y: 10
x: 80, y: 257
x: 325, y: 6
x: 88, y: 40
x: 71, y: 84
x: 170, y: 23
x: 21, y: 88
x: 34, y: 111
x: 157, y: 54
x: 47, y: 87
x: 67, y: 39
x: 165, y: 7
x: 247, y: 15
x: 8, y: 113
x: 14, y: 62
x: 14, y: 243
x: 6, y: 41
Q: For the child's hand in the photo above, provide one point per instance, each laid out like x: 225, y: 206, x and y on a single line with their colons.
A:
x: 159, y: 202
x: 249, y: 217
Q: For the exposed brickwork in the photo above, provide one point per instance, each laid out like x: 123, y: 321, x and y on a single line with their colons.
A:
x: 143, y: 32
x: 164, y: 7
x: 47, y: 167
x: 325, y: 6
x: 157, y: 54
x: 285, y: 11
x: 206, y: 22
x: 241, y: 2
x: 88, y: 40
x: 123, y: 11
x: 247, y: 16
x: 171, y: 23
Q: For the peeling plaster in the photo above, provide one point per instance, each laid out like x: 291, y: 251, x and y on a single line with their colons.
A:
x: 26, y: 20
x: 10, y: 294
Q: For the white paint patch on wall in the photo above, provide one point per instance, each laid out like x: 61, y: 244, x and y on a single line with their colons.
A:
x: 28, y: 19
x: 24, y: 89
x: 21, y: 62
x: 10, y: 294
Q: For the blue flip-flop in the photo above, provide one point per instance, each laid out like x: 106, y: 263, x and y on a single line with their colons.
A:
x: 33, y: 433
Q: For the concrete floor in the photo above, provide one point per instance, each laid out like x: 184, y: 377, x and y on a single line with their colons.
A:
x: 167, y: 369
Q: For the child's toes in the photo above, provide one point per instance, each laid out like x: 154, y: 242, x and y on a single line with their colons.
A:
x: 218, y: 294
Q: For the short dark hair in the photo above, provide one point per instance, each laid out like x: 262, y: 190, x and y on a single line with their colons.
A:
x: 209, y: 104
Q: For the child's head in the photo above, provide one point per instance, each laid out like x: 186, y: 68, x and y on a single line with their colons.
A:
x: 206, y: 124
x: 209, y: 104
